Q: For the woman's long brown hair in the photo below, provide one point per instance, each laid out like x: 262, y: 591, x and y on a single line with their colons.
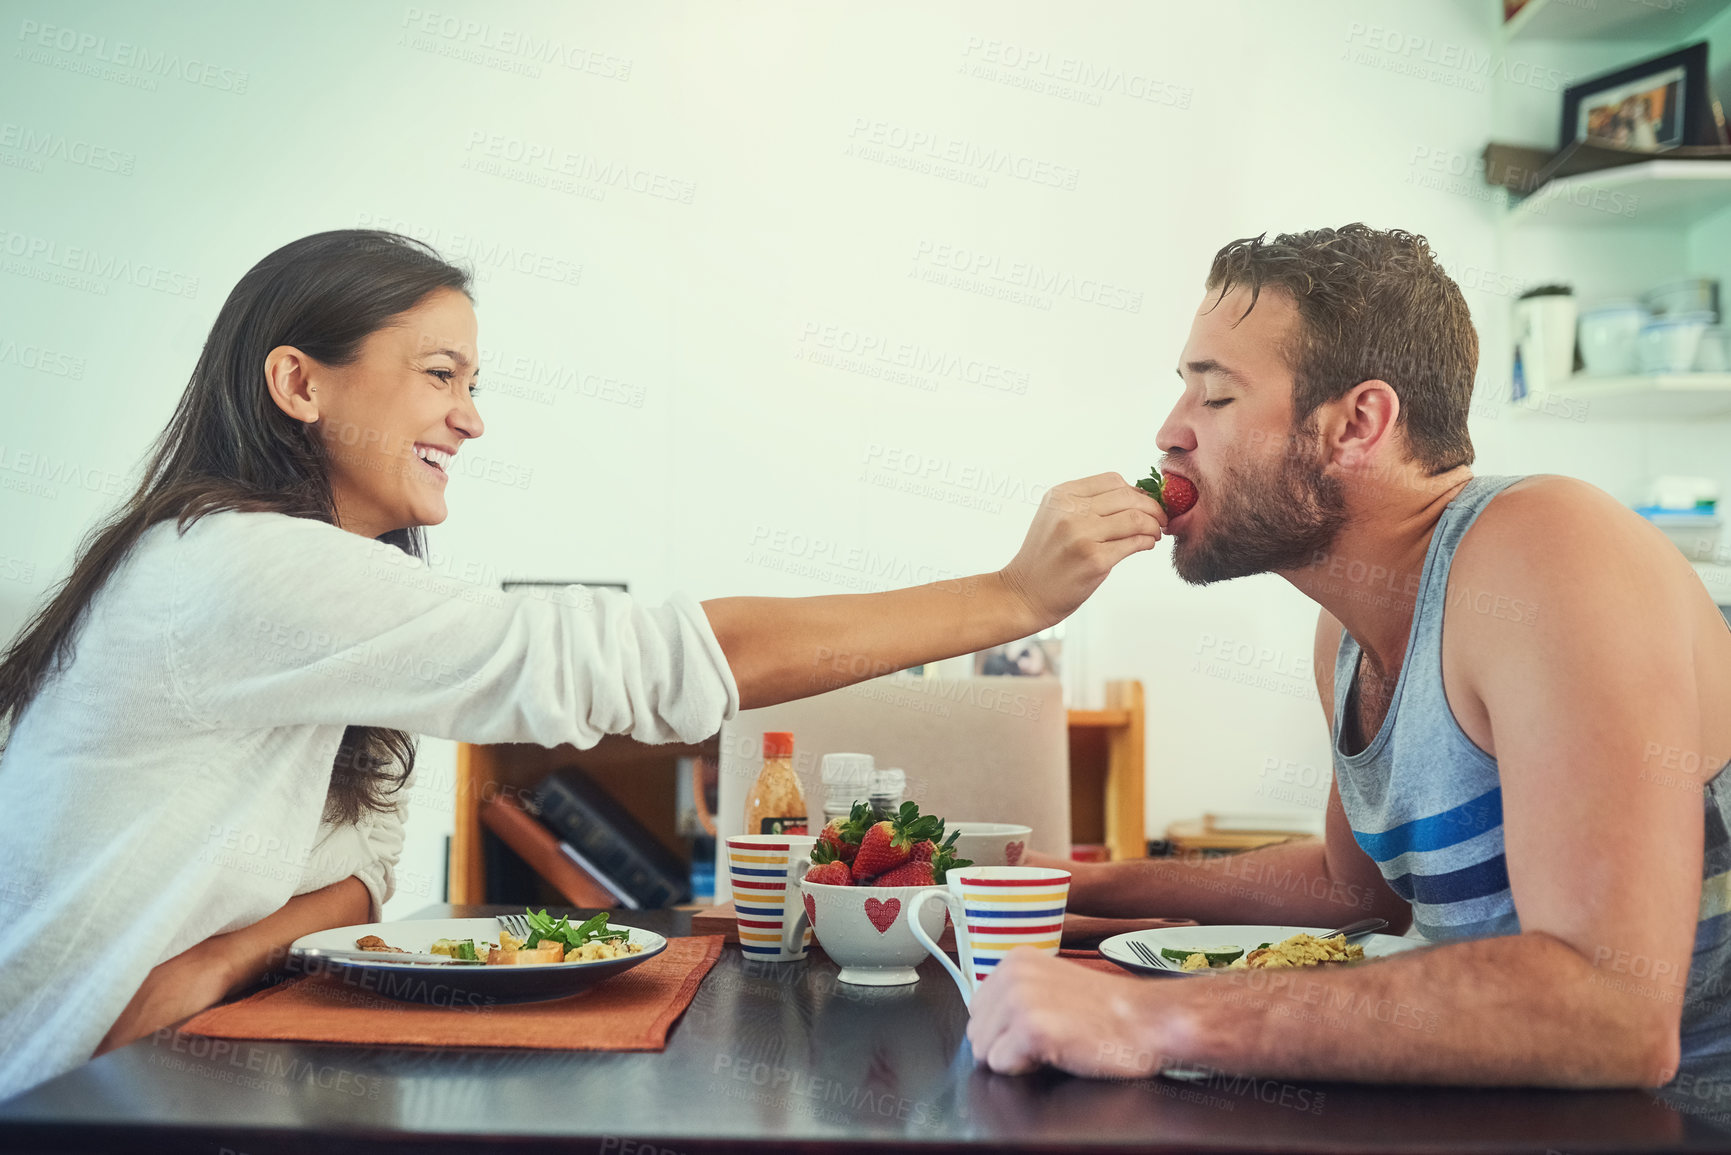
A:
x: 228, y: 447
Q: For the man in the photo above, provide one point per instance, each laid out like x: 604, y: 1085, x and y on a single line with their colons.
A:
x: 1529, y: 693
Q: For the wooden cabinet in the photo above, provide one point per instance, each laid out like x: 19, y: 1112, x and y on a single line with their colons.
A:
x: 1106, y: 772
x: 1106, y: 783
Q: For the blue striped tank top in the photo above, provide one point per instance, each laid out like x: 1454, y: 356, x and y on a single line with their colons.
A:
x: 1425, y: 803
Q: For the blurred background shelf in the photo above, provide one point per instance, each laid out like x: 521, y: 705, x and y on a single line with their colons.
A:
x: 1654, y: 192
x: 1653, y: 397
x: 1612, y: 19
x: 1191, y: 836
x: 1105, y: 781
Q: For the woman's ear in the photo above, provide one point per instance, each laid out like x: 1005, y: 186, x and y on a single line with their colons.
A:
x: 288, y: 375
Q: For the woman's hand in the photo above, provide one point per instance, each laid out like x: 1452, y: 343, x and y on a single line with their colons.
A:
x: 1083, y: 529
x: 203, y: 975
x: 197, y: 978
x: 785, y: 648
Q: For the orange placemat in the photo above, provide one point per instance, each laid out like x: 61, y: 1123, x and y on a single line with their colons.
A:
x: 632, y: 1012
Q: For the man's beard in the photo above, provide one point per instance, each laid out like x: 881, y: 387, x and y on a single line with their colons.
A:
x: 1279, y: 518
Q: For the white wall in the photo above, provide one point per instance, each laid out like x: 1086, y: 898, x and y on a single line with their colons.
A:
x: 700, y: 441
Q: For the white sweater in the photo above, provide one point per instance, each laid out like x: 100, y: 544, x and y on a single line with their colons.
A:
x: 169, y: 784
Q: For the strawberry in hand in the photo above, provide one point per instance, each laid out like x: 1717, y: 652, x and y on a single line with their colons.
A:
x: 1176, y: 494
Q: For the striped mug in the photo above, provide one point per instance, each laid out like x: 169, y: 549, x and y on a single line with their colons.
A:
x: 763, y: 873
x: 995, y: 909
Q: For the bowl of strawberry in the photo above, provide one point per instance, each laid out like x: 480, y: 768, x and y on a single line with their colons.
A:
x: 859, y: 891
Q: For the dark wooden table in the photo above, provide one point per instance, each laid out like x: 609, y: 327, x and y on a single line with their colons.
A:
x: 781, y: 1057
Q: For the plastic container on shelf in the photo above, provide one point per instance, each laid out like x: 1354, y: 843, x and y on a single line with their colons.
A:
x: 846, y: 779
x: 1686, y: 509
x: 1669, y: 344
x: 1607, y: 337
x: 1545, y: 335
x: 1713, y: 356
x: 1691, y: 295
x: 885, y: 788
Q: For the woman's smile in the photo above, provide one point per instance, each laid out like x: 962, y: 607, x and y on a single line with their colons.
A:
x: 436, y: 459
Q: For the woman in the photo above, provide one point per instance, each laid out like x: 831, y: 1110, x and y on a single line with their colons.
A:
x: 211, y: 717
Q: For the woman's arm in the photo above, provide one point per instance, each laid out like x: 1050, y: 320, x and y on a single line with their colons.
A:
x: 278, y: 621
x: 203, y: 975
x: 785, y: 648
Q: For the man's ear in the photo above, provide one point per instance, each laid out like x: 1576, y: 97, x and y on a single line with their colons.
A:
x: 288, y: 373
x: 1365, y: 426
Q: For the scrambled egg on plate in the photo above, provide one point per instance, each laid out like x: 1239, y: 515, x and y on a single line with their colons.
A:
x: 1301, y: 950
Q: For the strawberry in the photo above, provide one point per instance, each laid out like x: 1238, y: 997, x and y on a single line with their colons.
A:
x: 1179, y: 495
x: 878, y: 852
x: 890, y: 843
x: 830, y: 874
x: 842, y: 835
x: 908, y: 874
x: 944, y: 857
x: 1176, y: 493
x: 926, y: 863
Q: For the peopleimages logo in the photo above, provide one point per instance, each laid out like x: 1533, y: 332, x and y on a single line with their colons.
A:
x: 515, y: 42
x: 44, y: 471
x: 1023, y: 277
x: 486, y: 151
x: 1002, y: 59
x: 89, y: 47
x: 42, y: 145
x: 1443, y: 61
x: 89, y: 262
x: 938, y: 147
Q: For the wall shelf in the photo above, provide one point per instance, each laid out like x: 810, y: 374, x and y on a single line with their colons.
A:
x: 1652, y: 397
x: 1652, y: 193
x: 1612, y: 20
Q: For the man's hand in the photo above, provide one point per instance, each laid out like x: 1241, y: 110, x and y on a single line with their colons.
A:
x: 1037, y: 1009
x: 1082, y: 529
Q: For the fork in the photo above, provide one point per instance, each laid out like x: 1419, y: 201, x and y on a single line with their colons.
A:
x: 515, y: 925
x: 1144, y: 952
x: 1356, y: 929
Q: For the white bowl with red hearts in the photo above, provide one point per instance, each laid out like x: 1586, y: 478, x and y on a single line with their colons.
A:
x: 865, y: 930
x: 991, y: 843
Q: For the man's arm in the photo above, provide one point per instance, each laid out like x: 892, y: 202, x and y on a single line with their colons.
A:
x: 785, y: 648
x: 1305, y: 883
x: 1604, y: 866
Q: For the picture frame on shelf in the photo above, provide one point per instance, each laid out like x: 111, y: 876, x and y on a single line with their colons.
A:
x: 1039, y: 656
x: 1651, y: 106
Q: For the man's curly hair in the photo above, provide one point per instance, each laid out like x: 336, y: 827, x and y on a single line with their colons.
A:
x: 1372, y: 305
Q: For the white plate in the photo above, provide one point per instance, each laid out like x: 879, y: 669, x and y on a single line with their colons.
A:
x: 1117, y: 948
x: 455, y: 984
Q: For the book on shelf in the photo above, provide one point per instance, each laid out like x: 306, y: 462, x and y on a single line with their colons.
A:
x: 537, y: 849
x: 602, y: 838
